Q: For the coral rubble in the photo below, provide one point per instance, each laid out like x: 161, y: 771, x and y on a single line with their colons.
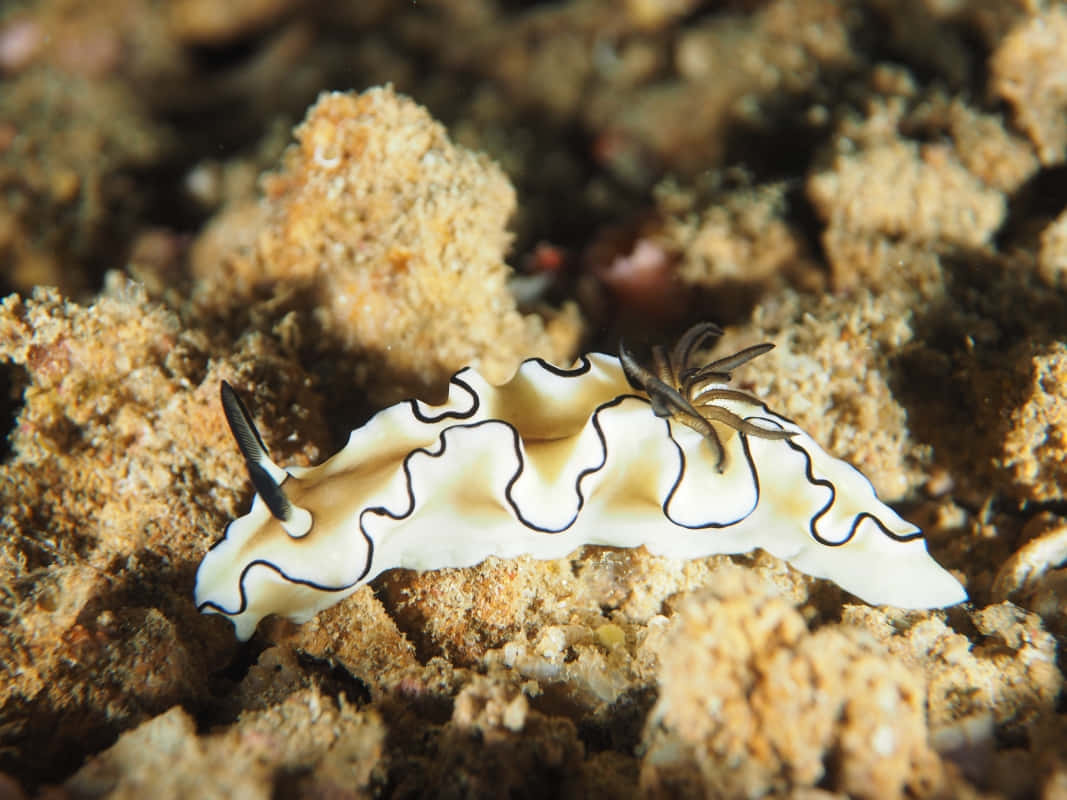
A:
x: 874, y: 186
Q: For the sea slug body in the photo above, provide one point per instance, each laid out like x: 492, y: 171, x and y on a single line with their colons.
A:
x: 603, y: 453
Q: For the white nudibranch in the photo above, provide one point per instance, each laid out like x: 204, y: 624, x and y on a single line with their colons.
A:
x: 604, y: 453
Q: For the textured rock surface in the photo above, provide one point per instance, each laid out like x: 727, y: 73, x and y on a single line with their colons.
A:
x: 892, y: 217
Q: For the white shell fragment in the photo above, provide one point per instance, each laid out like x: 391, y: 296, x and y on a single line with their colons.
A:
x: 553, y: 460
x: 1033, y: 564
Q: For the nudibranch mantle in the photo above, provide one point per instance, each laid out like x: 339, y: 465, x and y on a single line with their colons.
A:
x: 553, y: 460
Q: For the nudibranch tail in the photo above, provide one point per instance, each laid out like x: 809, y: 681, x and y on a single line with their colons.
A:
x: 266, y: 476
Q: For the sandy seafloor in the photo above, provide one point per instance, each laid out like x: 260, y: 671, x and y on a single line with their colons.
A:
x: 876, y: 187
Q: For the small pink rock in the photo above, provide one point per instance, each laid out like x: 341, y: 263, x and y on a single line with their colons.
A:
x: 644, y: 280
x: 20, y: 41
